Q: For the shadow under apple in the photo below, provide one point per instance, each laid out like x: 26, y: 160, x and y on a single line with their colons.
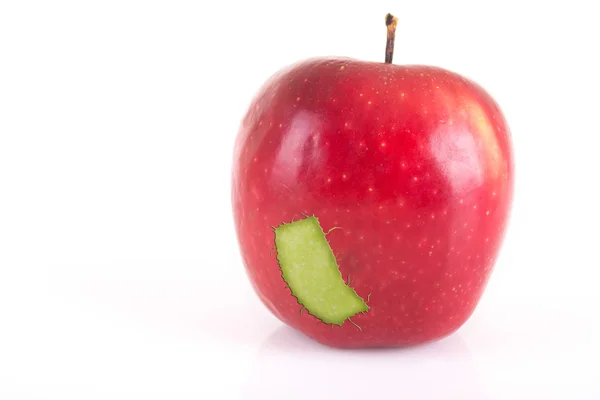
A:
x: 289, y: 365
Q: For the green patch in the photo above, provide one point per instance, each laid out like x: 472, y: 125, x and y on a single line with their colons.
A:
x: 310, y: 270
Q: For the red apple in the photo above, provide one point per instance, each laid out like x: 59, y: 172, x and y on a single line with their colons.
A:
x: 413, y: 164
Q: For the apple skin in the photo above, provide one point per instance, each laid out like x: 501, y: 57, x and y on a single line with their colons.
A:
x: 414, y: 164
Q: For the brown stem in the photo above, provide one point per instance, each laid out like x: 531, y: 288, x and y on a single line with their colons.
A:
x: 390, y: 23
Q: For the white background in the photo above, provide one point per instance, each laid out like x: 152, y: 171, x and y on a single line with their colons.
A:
x: 120, y: 275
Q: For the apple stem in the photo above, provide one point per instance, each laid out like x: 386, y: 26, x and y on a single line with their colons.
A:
x: 390, y: 23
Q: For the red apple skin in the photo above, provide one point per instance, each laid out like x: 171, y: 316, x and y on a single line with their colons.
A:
x: 414, y: 164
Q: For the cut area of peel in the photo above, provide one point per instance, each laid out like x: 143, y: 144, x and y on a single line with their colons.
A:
x: 309, y: 268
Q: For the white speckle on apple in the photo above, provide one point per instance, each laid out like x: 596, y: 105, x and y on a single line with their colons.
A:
x: 369, y: 102
x: 460, y: 201
x: 487, y: 212
x: 415, y: 178
x: 432, y: 216
x: 370, y: 189
x: 487, y: 239
x: 360, y: 94
x: 493, y: 193
x: 297, y: 98
x: 328, y: 180
x: 342, y: 68
x: 475, y: 207
x: 382, y: 144
x: 344, y: 176
x: 402, y: 94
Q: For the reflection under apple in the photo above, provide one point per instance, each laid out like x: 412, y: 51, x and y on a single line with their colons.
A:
x: 289, y: 365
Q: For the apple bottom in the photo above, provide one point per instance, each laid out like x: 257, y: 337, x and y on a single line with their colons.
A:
x: 373, y: 329
x: 419, y: 287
